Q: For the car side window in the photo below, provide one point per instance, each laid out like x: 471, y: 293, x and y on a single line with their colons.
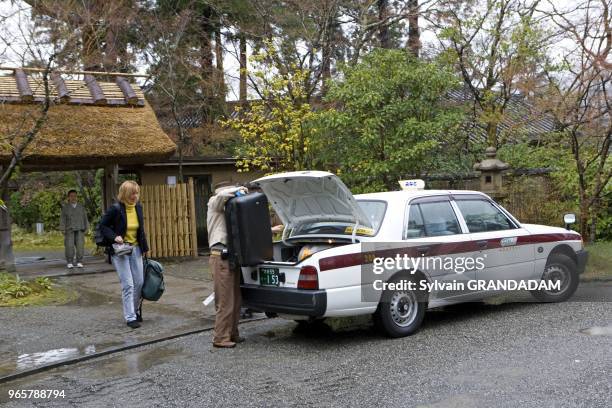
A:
x: 482, y: 216
x: 439, y: 218
x: 415, y: 227
x: 432, y: 219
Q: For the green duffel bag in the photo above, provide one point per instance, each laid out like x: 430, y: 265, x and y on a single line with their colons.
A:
x: 154, y: 286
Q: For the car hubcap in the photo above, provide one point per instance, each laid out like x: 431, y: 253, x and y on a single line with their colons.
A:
x: 556, y: 273
x: 403, y: 307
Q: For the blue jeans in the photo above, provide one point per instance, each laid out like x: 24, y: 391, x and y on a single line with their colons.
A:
x: 130, y: 271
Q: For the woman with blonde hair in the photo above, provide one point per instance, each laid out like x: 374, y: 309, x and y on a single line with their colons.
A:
x: 123, y: 228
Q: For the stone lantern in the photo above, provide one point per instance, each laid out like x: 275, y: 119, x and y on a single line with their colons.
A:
x: 491, y: 169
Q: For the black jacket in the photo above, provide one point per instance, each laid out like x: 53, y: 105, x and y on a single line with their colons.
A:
x: 114, y: 222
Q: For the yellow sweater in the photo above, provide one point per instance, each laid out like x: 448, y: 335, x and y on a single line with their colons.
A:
x: 132, y: 224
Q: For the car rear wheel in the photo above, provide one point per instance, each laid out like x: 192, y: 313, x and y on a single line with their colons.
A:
x: 560, y: 268
x: 400, y: 312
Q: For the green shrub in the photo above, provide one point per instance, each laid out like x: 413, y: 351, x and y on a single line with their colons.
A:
x: 604, y: 226
x: 42, y: 283
x: 44, y: 206
x: 13, y: 287
x: 561, y: 193
x: 40, y: 196
x: 24, y: 213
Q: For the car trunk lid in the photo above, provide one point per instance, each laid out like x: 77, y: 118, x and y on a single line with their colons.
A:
x: 311, y: 196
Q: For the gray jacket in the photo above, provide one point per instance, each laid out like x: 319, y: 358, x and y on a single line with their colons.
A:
x: 215, y: 217
x: 73, y: 219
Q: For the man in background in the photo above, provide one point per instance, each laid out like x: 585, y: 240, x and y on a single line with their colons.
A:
x: 74, y: 223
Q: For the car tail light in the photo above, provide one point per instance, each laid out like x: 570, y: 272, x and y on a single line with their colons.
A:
x: 309, y: 278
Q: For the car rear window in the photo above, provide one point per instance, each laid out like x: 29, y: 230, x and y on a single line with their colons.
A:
x: 373, y: 209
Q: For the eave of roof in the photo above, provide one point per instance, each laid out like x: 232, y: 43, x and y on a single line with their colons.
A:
x: 26, y: 86
x: 86, y: 136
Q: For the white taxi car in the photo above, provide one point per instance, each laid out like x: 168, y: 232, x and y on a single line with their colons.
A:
x: 330, y: 239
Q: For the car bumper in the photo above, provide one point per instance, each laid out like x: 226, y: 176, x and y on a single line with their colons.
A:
x: 286, y: 301
x: 581, y: 259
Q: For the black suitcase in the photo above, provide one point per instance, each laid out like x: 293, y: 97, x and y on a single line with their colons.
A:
x: 249, y: 230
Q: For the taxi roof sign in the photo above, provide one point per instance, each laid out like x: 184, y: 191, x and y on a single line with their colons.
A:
x: 416, y: 184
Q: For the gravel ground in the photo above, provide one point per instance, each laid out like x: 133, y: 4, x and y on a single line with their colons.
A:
x: 189, y: 269
x: 33, y: 336
x: 472, y: 355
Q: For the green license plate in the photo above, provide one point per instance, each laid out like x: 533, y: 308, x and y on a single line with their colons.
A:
x: 268, y: 276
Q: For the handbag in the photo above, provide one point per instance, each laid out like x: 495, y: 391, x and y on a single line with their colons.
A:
x: 123, y: 249
x: 154, y: 286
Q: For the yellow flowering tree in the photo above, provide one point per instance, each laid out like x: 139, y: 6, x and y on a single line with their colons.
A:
x: 275, y: 131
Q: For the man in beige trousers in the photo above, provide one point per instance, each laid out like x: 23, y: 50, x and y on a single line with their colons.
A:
x: 226, y: 280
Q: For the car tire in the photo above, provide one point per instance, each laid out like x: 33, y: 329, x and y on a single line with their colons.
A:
x: 400, y: 312
x: 559, y: 267
x: 271, y: 315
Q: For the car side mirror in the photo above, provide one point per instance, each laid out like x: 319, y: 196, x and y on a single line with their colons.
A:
x: 569, y: 219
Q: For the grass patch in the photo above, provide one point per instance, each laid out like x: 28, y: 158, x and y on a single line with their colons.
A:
x: 41, y: 291
x: 50, y: 240
x: 599, y: 265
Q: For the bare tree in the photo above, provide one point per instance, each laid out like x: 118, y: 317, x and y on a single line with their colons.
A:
x: 592, y: 31
x: 171, y: 66
x: 243, y: 69
x: 580, y: 98
x: 23, y: 44
x: 102, y: 29
x: 496, y: 46
x: 383, y: 29
x: 414, y: 37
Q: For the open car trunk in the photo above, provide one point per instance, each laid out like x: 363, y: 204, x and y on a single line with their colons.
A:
x: 310, y: 197
x: 317, y: 210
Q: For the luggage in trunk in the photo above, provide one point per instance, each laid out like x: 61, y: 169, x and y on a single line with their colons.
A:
x: 249, y: 230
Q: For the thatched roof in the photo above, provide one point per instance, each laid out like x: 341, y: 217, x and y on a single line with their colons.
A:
x: 82, y: 131
x: 92, y: 135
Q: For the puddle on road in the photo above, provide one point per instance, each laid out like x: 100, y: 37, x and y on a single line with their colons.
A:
x: 22, y: 260
x: 89, y: 298
x: 598, y: 331
x: 30, y: 361
x: 133, y: 363
x: 333, y: 327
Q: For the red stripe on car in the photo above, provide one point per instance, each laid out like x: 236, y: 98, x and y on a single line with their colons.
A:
x: 436, y: 249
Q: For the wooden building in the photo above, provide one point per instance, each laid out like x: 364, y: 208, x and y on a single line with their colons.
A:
x: 90, y: 124
x: 205, y: 173
x: 95, y: 120
x: 208, y: 158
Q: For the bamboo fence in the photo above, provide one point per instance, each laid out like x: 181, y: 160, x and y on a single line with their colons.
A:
x: 170, y: 220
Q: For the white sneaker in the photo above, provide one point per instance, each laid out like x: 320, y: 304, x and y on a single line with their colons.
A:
x: 70, y: 266
x: 79, y: 265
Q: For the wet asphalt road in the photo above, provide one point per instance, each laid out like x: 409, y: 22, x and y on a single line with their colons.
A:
x: 473, y: 355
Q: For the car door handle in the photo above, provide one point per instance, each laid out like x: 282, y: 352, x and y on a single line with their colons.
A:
x: 482, y: 244
x: 423, y: 250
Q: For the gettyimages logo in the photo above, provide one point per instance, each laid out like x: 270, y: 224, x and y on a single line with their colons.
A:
x: 458, y: 264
